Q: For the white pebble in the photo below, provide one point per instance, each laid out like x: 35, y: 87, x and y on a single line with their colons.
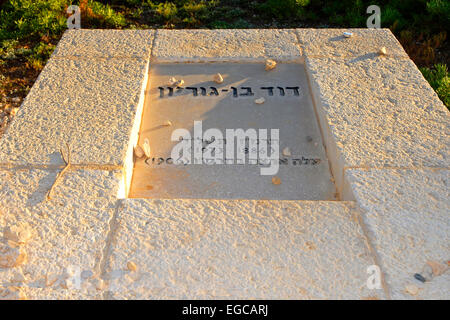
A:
x: 172, y: 81
x: 412, y: 289
x: 131, y: 266
x: 99, y: 284
x: 286, y: 152
x: 270, y: 64
x: 146, y: 148
x: 260, y: 100
x: 138, y: 151
x: 383, y: 51
x: 218, y: 78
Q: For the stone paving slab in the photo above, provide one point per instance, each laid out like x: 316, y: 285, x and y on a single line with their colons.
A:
x: 225, y: 45
x: 378, y: 112
x: 100, y: 43
x: 209, y: 249
x: 89, y: 103
x: 68, y: 231
x: 407, y: 215
x: 364, y: 43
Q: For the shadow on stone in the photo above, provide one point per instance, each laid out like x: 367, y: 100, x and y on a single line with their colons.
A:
x: 44, y: 185
x: 367, y: 56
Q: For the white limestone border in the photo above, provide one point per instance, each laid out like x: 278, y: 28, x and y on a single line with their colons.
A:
x: 247, y: 249
x: 374, y: 111
x: 406, y: 212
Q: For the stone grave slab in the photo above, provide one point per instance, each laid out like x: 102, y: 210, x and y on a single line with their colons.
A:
x: 303, y: 167
x: 383, y: 127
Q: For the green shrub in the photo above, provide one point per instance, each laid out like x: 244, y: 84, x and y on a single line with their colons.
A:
x: 390, y: 16
x: 21, y: 19
x: 25, y: 18
x: 166, y: 10
x: 39, y: 24
x: 283, y: 9
x: 39, y: 55
x: 102, y: 15
x: 439, y: 79
x: 8, y: 49
x: 183, y: 12
x: 440, y: 10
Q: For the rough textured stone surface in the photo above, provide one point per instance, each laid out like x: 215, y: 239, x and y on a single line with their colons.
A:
x: 228, y: 45
x: 105, y: 43
x: 206, y: 249
x: 407, y: 214
x: 69, y: 231
x: 90, y: 104
x: 378, y: 112
x: 364, y: 43
x: 374, y: 112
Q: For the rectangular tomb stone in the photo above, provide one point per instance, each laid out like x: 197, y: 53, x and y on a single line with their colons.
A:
x: 303, y: 169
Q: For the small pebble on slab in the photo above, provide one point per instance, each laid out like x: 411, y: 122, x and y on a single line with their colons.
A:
x: 218, y: 78
x: 131, y: 266
x: 348, y: 34
x: 286, y: 152
x: 146, y: 148
x: 138, y: 151
x: 172, y: 81
x: 276, y: 180
x: 270, y: 64
x: 260, y: 100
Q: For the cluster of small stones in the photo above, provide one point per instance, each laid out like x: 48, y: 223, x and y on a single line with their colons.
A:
x: 13, y: 254
x: 145, y: 149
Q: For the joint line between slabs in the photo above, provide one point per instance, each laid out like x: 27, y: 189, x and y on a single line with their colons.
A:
x: 73, y: 167
x: 152, y: 46
x: 100, y: 57
x: 387, y: 56
x: 107, y: 250
x: 373, y: 251
x: 394, y: 168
